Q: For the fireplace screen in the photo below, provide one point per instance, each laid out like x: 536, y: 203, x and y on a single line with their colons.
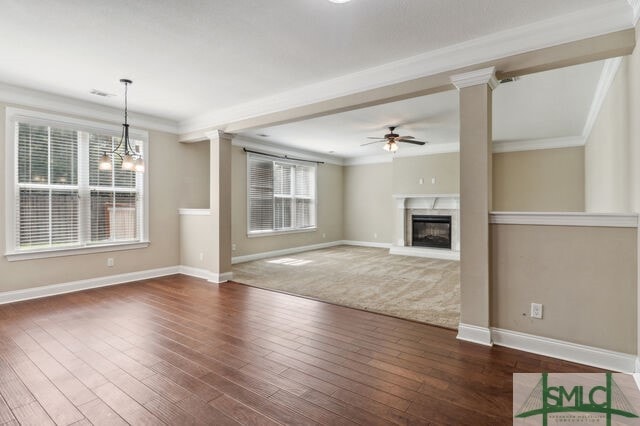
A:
x: 431, y: 231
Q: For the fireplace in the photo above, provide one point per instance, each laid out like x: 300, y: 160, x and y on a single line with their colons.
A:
x: 431, y: 231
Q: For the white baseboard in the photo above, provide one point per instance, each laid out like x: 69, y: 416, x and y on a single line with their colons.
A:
x: 70, y: 287
x: 425, y: 252
x: 205, y: 274
x: 195, y: 272
x: 365, y: 244
x: 220, y: 278
x: 637, y: 370
x: 567, y: 351
x: 475, y: 334
x: 292, y: 250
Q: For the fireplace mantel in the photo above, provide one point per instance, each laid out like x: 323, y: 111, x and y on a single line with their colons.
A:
x: 427, y: 201
x: 435, y: 204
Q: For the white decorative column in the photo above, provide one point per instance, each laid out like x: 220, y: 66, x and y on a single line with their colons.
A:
x: 220, y: 204
x: 475, y: 89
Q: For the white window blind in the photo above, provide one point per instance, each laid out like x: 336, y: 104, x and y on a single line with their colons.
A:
x: 281, y: 195
x: 62, y: 200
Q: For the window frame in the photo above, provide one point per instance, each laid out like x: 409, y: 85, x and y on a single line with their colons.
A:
x: 266, y: 233
x: 15, y: 115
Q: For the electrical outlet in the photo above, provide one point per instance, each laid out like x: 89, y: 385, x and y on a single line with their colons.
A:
x: 536, y: 310
x: 375, y: 235
x: 233, y: 247
x: 421, y: 181
x: 324, y: 235
x: 433, y: 181
x: 110, y: 262
x: 201, y: 256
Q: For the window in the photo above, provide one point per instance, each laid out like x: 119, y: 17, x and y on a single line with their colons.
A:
x: 58, y: 200
x: 281, y: 195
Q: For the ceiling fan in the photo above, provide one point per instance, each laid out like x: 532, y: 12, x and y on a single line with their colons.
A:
x: 391, y: 140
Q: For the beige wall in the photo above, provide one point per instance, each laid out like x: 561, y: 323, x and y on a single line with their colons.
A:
x: 445, y: 168
x: 167, y: 168
x: 329, y: 219
x: 607, y: 157
x: 195, y: 190
x: 545, y: 180
x: 368, y: 206
x: 585, y: 277
x: 194, y: 242
x: 540, y: 180
x: 633, y: 72
x: 612, y: 153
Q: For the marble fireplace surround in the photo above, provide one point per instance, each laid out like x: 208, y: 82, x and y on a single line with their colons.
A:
x: 425, y: 204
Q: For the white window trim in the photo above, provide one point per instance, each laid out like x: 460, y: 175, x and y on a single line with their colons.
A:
x: 14, y: 115
x: 258, y: 234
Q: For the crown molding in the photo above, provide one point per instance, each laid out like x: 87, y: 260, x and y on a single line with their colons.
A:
x: 603, y: 19
x: 475, y: 78
x: 430, y: 149
x: 534, y: 144
x: 608, y: 74
x: 498, y: 147
x: 30, y: 98
x: 433, y: 149
x: 216, y: 135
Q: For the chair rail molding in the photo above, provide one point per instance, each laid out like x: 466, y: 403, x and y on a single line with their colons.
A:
x: 565, y: 219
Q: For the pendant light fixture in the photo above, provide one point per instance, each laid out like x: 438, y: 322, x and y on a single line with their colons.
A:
x: 132, y: 159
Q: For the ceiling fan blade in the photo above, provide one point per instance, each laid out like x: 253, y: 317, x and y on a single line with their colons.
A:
x: 413, y: 142
x: 369, y: 143
x: 406, y: 137
x: 376, y: 137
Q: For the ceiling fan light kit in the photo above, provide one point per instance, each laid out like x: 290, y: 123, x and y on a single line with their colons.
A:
x: 392, y: 139
x: 390, y: 146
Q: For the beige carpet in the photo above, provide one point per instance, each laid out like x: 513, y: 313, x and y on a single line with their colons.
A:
x: 425, y: 290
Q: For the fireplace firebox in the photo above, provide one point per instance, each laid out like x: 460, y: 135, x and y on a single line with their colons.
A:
x: 431, y: 231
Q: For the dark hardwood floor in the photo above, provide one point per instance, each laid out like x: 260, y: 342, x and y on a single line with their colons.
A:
x: 178, y: 351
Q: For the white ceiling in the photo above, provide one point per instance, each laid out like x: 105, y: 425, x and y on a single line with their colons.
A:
x: 552, y: 104
x: 187, y: 57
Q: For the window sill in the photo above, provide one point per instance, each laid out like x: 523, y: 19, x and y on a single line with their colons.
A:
x: 272, y: 233
x: 42, y: 254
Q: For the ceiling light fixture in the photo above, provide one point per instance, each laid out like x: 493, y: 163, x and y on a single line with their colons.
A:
x: 339, y: 1
x: 132, y: 159
x: 390, y: 146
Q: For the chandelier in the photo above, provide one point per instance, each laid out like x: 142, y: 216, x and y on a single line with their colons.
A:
x: 132, y: 158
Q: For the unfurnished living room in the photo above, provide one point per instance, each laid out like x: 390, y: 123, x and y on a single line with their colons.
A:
x: 319, y: 212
